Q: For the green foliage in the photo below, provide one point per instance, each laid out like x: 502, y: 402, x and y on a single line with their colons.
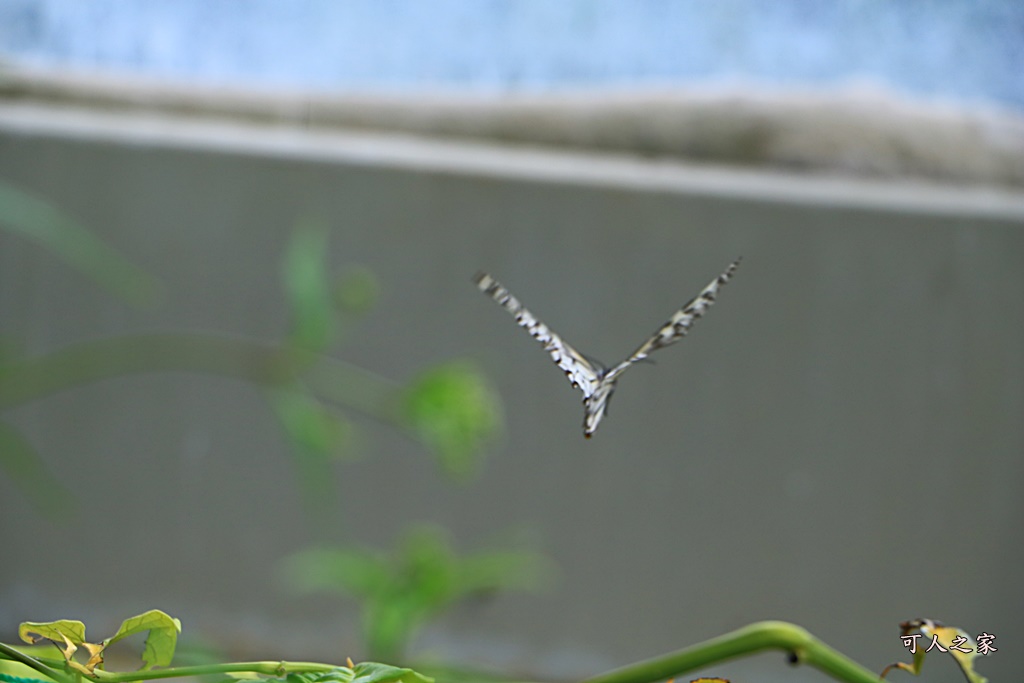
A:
x: 37, y: 220
x: 55, y: 631
x: 397, y: 593
x: 307, y: 286
x: 364, y: 672
x: 307, y: 389
x: 310, y: 424
x: 23, y: 214
x: 318, y: 435
x: 449, y: 408
x: 800, y: 646
x: 455, y: 412
x: 69, y: 636
x: 160, y: 643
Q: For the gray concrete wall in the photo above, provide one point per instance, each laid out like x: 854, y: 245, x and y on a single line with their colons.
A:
x: 852, y: 131
x: 837, y: 444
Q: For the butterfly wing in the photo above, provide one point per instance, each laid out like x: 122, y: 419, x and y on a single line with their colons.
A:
x: 580, y: 371
x: 679, y: 324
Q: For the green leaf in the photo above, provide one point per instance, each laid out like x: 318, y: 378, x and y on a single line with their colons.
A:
x: 306, y: 284
x: 310, y: 425
x: 372, y: 672
x: 39, y: 221
x: 423, y: 576
x: 55, y: 631
x: 68, y: 636
x: 340, y: 674
x: 163, y: 636
x: 364, y: 672
x: 318, y: 437
x: 359, y: 572
x: 504, y: 570
x: 456, y: 413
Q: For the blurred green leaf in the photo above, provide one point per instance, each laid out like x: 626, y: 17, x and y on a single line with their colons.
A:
x: 306, y: 284
x: 456, y: 413
x: 23, y: 465
x: 318, y: 436
x: 359, y: 572
x: 422, y: 577
x: 311, y: 425
x: 356, y: 291
x: 24, y: 214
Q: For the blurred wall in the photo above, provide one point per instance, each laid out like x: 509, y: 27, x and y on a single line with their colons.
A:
x: 959, y: 50
x: 838, y: 443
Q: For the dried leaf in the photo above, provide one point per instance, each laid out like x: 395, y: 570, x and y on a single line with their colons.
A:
x: 67, y: 635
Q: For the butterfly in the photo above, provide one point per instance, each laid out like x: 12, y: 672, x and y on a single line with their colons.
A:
x: 596, y: 381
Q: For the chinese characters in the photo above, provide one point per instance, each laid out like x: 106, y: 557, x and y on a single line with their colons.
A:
x: 983, y: 643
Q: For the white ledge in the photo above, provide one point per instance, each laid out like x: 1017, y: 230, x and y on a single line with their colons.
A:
x: 460, y: 157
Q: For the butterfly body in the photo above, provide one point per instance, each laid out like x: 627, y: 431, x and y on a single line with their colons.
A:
x: 595, y: 406
x: 594, y: 380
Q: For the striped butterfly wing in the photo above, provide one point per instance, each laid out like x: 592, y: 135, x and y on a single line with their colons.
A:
x: 679, y: 324
x: 581, y: 372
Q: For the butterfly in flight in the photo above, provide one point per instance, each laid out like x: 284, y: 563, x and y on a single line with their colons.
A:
x: 596, y: 381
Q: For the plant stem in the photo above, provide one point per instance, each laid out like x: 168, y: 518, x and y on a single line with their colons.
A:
x: 764, y: 635
x: 13, y: 654
x: 267, y: 668
x: 264, y: 668
x: 27, y: 379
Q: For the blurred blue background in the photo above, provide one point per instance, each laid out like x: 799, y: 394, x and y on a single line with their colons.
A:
x: 959, y: 50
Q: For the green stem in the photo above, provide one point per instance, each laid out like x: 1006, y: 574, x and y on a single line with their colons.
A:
x: 268, y: 668
x: 13, y: 654
x: 28, y: 379
x: 264, y: 668
x: 764, y: 635
x: 802, y: 647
